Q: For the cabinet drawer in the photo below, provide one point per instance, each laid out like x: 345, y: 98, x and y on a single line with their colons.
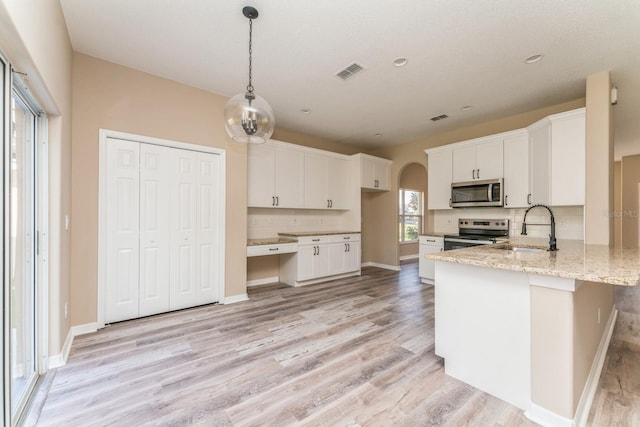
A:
x: 354, y: 237
x: 283, y: 248
x: 431, y: 241
x: 314, y: 240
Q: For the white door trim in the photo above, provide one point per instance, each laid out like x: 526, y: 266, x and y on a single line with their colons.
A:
x: 104, y: 134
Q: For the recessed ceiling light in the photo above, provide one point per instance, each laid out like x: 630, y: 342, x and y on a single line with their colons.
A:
x: 400, y: 62
x: 466, y: 108
x: 305, y: 111
x: 533, y: 58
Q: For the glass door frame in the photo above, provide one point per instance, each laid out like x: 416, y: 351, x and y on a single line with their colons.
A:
x: 13, y: 85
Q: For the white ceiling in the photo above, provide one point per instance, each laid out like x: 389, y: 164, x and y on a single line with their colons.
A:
x: 460, y: 52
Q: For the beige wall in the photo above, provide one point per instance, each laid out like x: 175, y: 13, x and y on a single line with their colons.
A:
x: 630, y: 168
x: 109, y: 96
x: 628, y: 298
x: 599, y: 161
x: 565, y: 335
x: 413, y: 177
x: 33, y: 36
x: 380, y: 212
x: 617, y: 201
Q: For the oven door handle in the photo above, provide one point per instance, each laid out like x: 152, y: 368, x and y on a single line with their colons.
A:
x: 490, y: 193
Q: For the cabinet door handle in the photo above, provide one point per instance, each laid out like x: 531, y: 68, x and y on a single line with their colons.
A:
x: 345, y: 247
x: 318, y: 250
x: 478, y: 173
x: 449, y: 202
x: 348, y: 247
x: 506, y: 200
x: 273, y: 200
x: 529, y: 198
x: 273, y: 249
x: 315, y: 240
x: 314, y: 251
x: 330, y: 203
x: 277, y: 201
x: 347, y: 237
x: 473, y: 174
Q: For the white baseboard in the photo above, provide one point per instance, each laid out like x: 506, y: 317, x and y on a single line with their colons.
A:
x: 264, y: 281
x: 406, y: 257
x: 385, y: 266
x: 87, y: 328
x: 591, y: 386
x: 234, y: 299
x: 545, y: 417
x: 60, y: 359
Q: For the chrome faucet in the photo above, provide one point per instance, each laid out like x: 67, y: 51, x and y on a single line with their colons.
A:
x: 552, y: 236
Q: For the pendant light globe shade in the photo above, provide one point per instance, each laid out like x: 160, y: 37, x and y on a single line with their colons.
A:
x: 249, y: 119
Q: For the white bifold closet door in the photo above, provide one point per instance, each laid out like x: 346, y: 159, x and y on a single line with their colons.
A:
x: 162, y: 229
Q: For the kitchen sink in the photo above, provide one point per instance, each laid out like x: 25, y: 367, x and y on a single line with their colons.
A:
x: 522, y: 248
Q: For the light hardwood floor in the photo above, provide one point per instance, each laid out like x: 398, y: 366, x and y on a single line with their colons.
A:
x: 357, y: 351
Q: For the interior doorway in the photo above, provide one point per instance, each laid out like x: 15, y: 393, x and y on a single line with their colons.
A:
x: 412, y: 195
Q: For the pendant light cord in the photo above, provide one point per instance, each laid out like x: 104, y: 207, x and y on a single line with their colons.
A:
x: 250, y: 86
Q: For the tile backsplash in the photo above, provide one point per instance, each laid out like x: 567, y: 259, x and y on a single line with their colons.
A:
x: 569, y: 220
x: 267, y: 223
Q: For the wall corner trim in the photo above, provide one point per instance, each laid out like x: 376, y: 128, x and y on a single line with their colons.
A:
x: 263, y: 281
x: 385, y: 266
x: 60, y: 359
x: 234, y: 299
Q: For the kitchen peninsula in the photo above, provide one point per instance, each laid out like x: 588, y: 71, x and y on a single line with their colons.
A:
x: 530, y: 326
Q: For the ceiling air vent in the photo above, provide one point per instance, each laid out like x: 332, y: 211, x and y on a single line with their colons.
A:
x: 437, y: 118
x: 350, y: 71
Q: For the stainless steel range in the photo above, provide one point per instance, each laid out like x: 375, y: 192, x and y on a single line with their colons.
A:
x: 474, y: 232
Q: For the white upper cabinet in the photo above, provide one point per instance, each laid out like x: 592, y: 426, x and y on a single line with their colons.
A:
x: 275, y: 176
x: 439, y: 181
x: 557, y: 147
x: 478, y: 161
x: 516, y: 170
x: 327, y: 182
x: 375, y: 172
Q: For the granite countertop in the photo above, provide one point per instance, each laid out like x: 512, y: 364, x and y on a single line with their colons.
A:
x: 573, y: 260
x: 315, y: 233
x: 270, y: 241
x: 435, y: 234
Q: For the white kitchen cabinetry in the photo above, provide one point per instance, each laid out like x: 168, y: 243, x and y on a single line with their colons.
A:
x: 275, y: 176
x: 374, y: 172
x: 426, y: 267
x: 557, y: 159
x: 478, y: 161
x: 320, y: 257
x: 327, y: 182
x: 516, y: 170
x: 439, y: 181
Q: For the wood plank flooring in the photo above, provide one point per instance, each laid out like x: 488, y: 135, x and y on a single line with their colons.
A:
x: 356, y: 351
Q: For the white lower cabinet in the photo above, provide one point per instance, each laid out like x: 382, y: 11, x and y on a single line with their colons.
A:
x: 321, y: 257
x: 426, y: 267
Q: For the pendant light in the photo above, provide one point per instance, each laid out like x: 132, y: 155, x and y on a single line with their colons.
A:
x: 248, y: 118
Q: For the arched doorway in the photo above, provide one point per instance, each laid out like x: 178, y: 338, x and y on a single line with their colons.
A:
x: 412, y: 195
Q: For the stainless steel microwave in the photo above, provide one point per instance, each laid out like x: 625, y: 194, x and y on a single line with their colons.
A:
x: 488, y: 192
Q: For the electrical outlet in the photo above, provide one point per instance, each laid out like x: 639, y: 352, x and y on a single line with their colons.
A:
x: 598, y: 315
x: 67, y: 222
x: 66, y: 310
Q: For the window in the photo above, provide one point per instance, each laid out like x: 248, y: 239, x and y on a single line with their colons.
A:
x: 410, y: 218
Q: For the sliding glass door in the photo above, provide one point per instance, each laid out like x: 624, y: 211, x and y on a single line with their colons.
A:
x: 22, y: 252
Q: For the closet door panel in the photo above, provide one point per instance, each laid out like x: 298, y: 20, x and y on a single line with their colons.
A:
x: 156, y: 174
x: 208, y: 236
x: 183, y: 230
x: 122, y: 220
